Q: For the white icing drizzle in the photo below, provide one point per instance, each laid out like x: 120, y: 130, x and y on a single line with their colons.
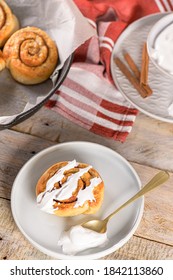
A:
x: 87, y: 193
x: 46, y: 199
x: 71, y: 184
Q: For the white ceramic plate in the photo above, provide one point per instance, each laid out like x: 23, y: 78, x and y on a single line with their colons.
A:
x: 43, y: 230
x: 132, y: 40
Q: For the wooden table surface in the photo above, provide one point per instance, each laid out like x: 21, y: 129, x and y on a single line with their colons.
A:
x: 149, y: 147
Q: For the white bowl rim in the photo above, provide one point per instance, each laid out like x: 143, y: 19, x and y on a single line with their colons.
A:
x: 152, y: 35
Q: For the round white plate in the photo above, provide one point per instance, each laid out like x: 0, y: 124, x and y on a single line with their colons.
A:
x: 132, y: 40
x: 43, y: 230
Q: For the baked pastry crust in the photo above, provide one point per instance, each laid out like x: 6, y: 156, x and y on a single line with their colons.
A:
x: 8, y: 23
x: 31, y: 55
x: 71, y: 204
x: 2, y: 61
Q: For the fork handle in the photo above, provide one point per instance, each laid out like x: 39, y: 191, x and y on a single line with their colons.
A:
x: 156, y: 181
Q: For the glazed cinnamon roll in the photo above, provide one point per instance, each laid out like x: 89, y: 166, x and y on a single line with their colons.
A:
x: 69, y: 189
x: 8, y: 23
x: 31, y: 55
x: 2, y: 61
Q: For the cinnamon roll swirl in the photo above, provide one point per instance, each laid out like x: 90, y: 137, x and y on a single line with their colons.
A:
x: 31, y: 55
x: 69, y: 189
x: 8, y: 23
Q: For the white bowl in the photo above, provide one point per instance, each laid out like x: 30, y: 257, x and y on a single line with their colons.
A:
x: 153, y: 34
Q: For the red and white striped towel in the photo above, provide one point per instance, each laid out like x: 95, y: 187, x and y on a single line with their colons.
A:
x: 88, y: 95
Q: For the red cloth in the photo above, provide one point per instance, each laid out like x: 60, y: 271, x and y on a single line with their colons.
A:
x: 88, y: 95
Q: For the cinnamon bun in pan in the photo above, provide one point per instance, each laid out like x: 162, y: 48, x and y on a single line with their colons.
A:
x: 2, y: 61
x: 31, y: 55
x: 69, y: 189
x: 8, y: 23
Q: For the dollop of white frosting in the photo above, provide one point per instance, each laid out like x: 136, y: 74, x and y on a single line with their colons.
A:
x: 78, y: 239
x: 46, y: 199
x: 162, y: 52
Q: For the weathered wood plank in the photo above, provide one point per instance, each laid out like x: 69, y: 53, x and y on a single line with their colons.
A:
x: 14, y: 246
x: 15, y: 150
x: 142, y: 249
x: 149, y: 143
x: 157, y: 222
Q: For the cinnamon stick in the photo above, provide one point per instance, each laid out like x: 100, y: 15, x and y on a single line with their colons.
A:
x: 132, y: 79
x: 145, y: 65
x: 136, y: 72
x: 132, y: 65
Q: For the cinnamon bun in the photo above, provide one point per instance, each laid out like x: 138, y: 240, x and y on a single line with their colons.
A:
x: 69, y: 189
x: 8, y: 23
x: 2, y: 61
x: 31, y: 55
